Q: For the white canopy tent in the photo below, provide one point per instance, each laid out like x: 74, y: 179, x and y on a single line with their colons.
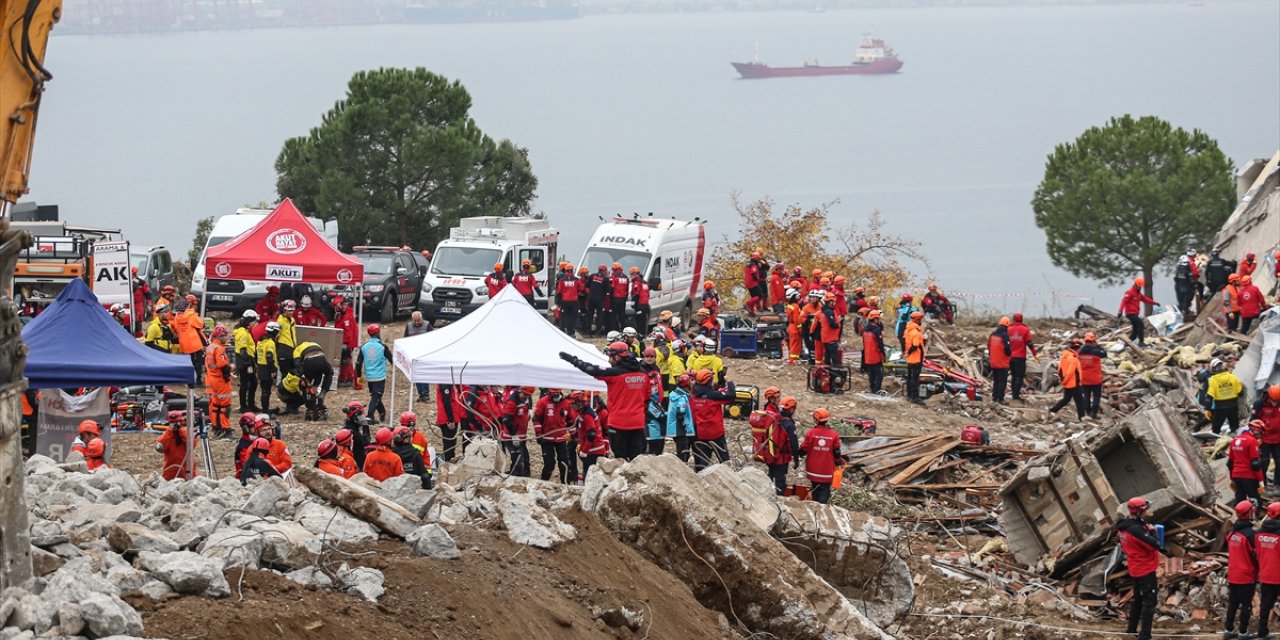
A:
x: 504, y: 342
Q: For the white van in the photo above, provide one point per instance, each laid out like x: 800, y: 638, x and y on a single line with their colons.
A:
x: 238, y: 295
x: 670, y: 254
x: 454, y: 283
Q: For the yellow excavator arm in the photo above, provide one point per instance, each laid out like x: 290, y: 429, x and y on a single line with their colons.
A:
x: 24, y: 34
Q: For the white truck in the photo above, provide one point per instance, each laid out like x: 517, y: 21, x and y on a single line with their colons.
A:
x: 670, y: 254
x: 238, y: 295
x: 454, y: 283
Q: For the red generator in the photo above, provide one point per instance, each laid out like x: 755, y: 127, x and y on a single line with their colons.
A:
x: 974, y: 434
x: 825, y: 379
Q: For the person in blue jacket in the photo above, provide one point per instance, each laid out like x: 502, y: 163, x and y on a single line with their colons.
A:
x: 680, y: 416
x: 904, y: 315
x: 657, y: 427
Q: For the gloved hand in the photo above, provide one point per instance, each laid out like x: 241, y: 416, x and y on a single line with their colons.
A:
x: 568, y: 357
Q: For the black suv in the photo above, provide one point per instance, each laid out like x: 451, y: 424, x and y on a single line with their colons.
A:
x: 392, y: 281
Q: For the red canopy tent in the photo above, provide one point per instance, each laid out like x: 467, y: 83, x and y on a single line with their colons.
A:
x: 284, y: 247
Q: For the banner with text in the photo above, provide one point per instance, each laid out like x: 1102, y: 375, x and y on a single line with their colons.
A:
x: 60, y: 416
x: 112, y: 280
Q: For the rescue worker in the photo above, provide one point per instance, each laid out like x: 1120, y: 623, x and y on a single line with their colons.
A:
x: 141, y: 298
x: 312, y: 364
x: 373, y: 367
x: 936, y: 306
x: 1140, y: 545
x: 496, y: 280
x: 481, y: 413
x: 1216, y: 272
x: 269, y: 306
x: 288, y: 338
x: 448, y: 416
x: 246, y: 357
x: 751, y: 278
x: 596, y: 320
x: 567, y: 302
x: 1069, y: 378
x: 278, y: 455
x: 781, y: 444
x: 327, y: 459
x: 1244, y: 463
x: 628, y: 389
x: 309, y: 316
x: 358, y: 425
x: 344, y: 439
x: 160, y: 334
x: 268, y: 366
x: 1091, y: 357
x: 344, y: 318
x: 873, y: 351
x: 526, y: 283
x: 999, y: 351
x: 1242, y: 571
x: 914, y: 345
x: 829, y: 328
x: 1248, y: 265
x: 711, y: 302
x: 905, y: 312
x: 639, y: 298
x: 1231, y: 302
x: 87, y: 432
x: 655, y: 421
x: 701, y: 359
x: 550, y: 428
x: 795, y: 330
x: 411, y: 462
x: 592, y: 443
x: 1184, y: 282
x: 821, y: 453
x: 168, y: 296
x: 664, y: 325
x: 419, y: 441
x: 1267, y: 410
x: 680, y: 416
x: 797, y: 274
x: 1252, y: 303
x: 256, y: 465
x: 293, y: 392
x: 248, y: 427
x: 95, y: 455
x: 676, y: 363
x: 1129, y: 308
x: 584, y: 310
x: 708, y: 405
x: 842, y: 301
x: 217, y: 378
x: 632, y: 339
x: 777, y: 288
x: 619, y: 291
x: 1266, y: 544
x: 415, y: 327
x: 1019, y: 345
x: 189, y: 328
x: 514, y: 434
x: 121, y: 316
x: 1223, y: 390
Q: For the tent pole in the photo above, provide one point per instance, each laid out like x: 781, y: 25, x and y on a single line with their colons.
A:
x: 392, y: 412
x: 189, y: 462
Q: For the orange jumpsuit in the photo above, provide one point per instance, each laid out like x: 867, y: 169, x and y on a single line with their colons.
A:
x: 174, y: 449
x: 189, y: 328
x: 279, y: 456
x: 331, y: 466
x: 347, y: 462
x: 795, y: 344
x: 382, y: 463
x: 809, y: 316
x: 217, y: 366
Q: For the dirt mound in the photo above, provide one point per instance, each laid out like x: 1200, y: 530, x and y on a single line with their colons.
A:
x: 498, y: 589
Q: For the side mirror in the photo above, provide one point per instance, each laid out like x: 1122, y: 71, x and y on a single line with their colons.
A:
x: 400, y: 271
x: 655, y: 283
x: 422, y: 272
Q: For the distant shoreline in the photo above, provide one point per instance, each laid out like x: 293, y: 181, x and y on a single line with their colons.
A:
x: 155, y: 16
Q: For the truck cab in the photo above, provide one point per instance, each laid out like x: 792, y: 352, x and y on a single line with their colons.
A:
x: 454, y: 282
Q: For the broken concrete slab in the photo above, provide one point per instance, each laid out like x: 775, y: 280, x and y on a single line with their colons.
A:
x: 265, y: 497
x: 334, y: 525
x: 362, y: 581
x: 694, y: 530
x: 359, y: 501
x: 234, y: 547
x: 432, y: 541
x: 528, y: 523
x: 131, y: 537
x: 481, y: 458
x: 187, y: 572
x: 108, y: 615
x: 286, y: 544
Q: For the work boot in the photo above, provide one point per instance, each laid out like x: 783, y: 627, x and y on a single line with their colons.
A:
x: 1228, y: 634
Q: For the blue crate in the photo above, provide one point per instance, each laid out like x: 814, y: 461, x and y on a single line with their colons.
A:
x: 740, y: 343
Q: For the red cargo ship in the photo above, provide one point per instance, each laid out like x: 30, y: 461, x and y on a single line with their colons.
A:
x: 873, y: 56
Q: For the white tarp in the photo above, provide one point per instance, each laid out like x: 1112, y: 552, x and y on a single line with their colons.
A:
x: 504, y: 342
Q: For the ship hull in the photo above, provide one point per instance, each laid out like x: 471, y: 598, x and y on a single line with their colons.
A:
x: 755, y: 70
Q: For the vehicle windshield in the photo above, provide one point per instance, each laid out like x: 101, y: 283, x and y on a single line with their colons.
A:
x: 138, y: 261
x: 213, y: 242
x: 606, y: 256
x: 379, y: 264
x: 470, y: 262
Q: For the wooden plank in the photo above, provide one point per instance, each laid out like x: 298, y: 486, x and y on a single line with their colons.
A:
x: 911, y: 471
x: 950, y: 487
x: 863, y: 452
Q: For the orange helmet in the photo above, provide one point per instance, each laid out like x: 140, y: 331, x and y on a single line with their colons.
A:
x: 933, y: 287
x: 582, y: 271
x: 703, y: 376
x: 794, y: 284
x: 708, y: 285
x: 917, y: 315
x: 1235, y: 277
x: 760, y: 250
x: 755, y: 255
x: 828, y: 274
x: 1139, y: 281
x: 1246, y: 280
x: 617, y: 265
x: 426, y: 253
x: 528, y: 391
x: 1090, y: 337
x: 633, y: 270
x: 89, y: 426
x: 788, y: 403
x: 830, y: 297
x: 1004, y: 322
x: 772, y: 392
x: 874, y: 314
x: 96, y: 449
x: 1273, y: 392
x: 817, y: 273
x: 578, y: 396
x: 838, y: 280
x: 821, y: 415
x: 526, y: 263
x: 859, y: 289
x: 824, y: 281
x: 497, y: 266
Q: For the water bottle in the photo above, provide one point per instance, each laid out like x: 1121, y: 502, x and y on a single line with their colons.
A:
x: 1160, y: 535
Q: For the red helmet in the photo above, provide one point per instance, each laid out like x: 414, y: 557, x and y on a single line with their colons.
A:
x: 343, y: 437
x: 618, y: 348
x: 89, y: 426
x: 326, y: 447
x: 933, y: 287
x: 96, y: 449
x: 821, y: 415
x: 247, y: 420
x: 374, y: 329
x: 354, y: 408
x: 1273, y: 392
x: 1138, y: 505
x: 383, y: 436
x: 408, y: 419
x: 1017, y: 317
x: 528, y: 391
x: 401, y: 433
x: 1244, y: 509
x: 578, y: 396
x: 906, y: 297
x: 1273, y: 510
x: 262, y: 444
x: 684, y: 380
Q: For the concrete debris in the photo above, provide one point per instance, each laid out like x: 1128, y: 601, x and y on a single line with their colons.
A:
x: 619, y: 617
x: 131, y: 537
x: 234, y: 547
x: 528, y: 523
x: 361, y: 581
x: 286, y: 544
x: 481, y: 458
x: 187, y: 572
x: 310, y: 577
x: 44, y: 563
x: 109, y: 615
x: 334, y: 525
x: 264, y: 499
x: 359, y: 501
x: 432, y: 541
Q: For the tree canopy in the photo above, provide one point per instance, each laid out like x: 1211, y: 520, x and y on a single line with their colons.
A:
x: 866, y: 256
x: 1132, y: 195
x: 399, y: 161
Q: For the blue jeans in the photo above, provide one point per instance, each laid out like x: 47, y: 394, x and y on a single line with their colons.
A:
x: 376, y: 387
x: 424, y: 391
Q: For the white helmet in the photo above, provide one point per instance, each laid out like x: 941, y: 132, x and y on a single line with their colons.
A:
x: 1183, y: 260
x: 250, y: 314
x: 117, y: 308
x: 629, y: 331
x: 288, y: 304
x: 677, y: 344
x: 306, y: 302
x: 612, y: 336
x: 273, y: 326
x: 1216, y: 364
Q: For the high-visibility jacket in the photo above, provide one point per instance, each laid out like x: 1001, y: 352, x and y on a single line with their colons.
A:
x: 348, y: 462
x: 1069, y: 369
x: 872, y: 344
x: 173, y: 447
x: 279, y: 456
x: 591, y: 440
x: 675, y: 368
x: 1091, y: 357
x: 190, y: 330
x: 830, y: 325
x: 159, y: 336
x: 1224, y: 388
x: 266, y: 355
x: 709, y: 361
x: 245, y: 345
x: 291, y: 383
x: 777, y: 289
x: 1231, y: 299
x: 915, y: 343
x: 216, y: 362
x: 998, y: 348
x: 288, y: 332
x: 332, y: 466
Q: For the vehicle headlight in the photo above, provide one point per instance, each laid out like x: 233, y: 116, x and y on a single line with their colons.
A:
x: 375, y: 288
x: 426, y: 288
x: 482, y: 291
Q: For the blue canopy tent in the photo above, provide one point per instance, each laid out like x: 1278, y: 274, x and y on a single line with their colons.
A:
x: 74, y: 342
